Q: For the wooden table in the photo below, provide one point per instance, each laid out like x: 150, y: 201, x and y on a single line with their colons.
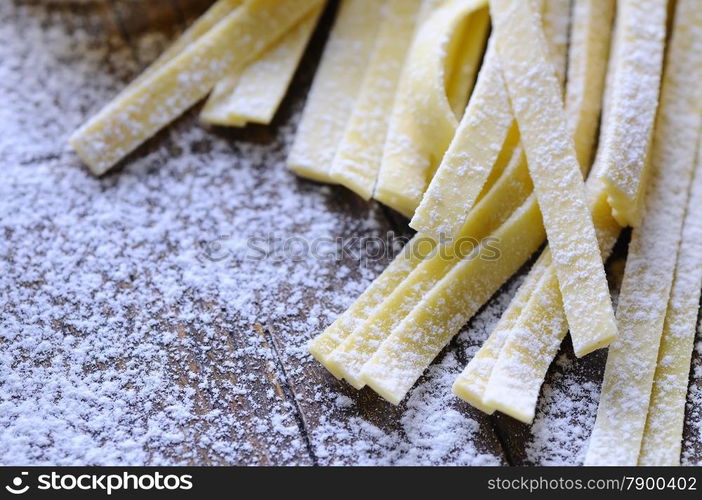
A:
x: 134, y: 332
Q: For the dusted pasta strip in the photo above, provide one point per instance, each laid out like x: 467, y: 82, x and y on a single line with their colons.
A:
x: 471, y: 383
x: 254, y: 93
x: 491, y: 211
x: 408, y: 259
x: 506, y: 189
x: 650, y: 266
x: 666, y: 412
x: 422, y: 122
x: 480, y: 136
x: 181, y: 82
x: 555, y: 19
x: 516, y: 378
x: 335, y: 88
x: 586, y: 69
x: 421, y: 335
x: 218, y: 11
x: 637, y: 77
x: 589, y: 51
x: 358, y: 157
x: 465, y: 167
x: 557, y: 179
x: 467, y: 56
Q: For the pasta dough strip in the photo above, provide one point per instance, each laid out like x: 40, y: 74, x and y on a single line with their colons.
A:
x: 349, y: 357
x: 465, y: 167
x: 471, y: 383
x: 557, y: 179
x: 254, y: 93
x: 637, y: 77
x: 516, y: 378
x: 621, y: 415
x: 666, y: 412
x: 512, y: 188
x: 587, y: 67
x: 586, y: 74
x: 218, y: 11
x: 421, y: 335
x: 422, y: 122
x: 467, y: 56
x: 360, y: 152
x: 481, y: 134
x: 555, y: 18
x: 335, y: 88
x: 181, y: 82
x: 408, y: 259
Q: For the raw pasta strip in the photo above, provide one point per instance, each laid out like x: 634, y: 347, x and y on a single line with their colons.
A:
x: 650, y: 266
x: 495, y: 204
x: 553, y: 166
x: 589, y: 51
x: 482, y: 132
x: 666, y: 411
x: 185, y: 79
x: 586, y: 74
x: 422, y: 123
x: 335, y: 88
x: 555, y: 18
x: 466, y: 60
x: 254, y: 93
x: 421, y: 335
x: 200, y: 27
x: 465, y: 167
x: 349, y: 357
x: 637, y: 78
x: 516, y: 378
x: 358, y: 157
x: 470, y: 385
x: 408, y: 259
x: 511, y: 187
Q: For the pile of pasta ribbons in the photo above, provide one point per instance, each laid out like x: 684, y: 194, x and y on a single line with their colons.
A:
x: 518, y: 122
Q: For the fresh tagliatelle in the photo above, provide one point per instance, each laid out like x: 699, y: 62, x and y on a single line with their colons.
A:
x: 253, y: 94
x: 663, y: 433
x: 500, y: 199
x: 360, y: 151
x: 335, y: 88
x: 621, y: 416
x: 423, y: 122
x: 554, y: 168
x: 636, y: 81
x: 478, y: 120
x: 165, y: 93
x: 530, y: 347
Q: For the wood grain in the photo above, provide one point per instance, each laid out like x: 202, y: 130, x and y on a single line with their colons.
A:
x: 285, y: 385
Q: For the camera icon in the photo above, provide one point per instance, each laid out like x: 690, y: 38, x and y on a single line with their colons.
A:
x: 16, y: 487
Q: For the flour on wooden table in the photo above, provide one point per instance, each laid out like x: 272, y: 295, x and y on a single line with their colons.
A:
x: 135, y: 330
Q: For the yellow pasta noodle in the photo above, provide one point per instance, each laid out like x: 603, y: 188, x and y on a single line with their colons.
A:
x: 421, y: 335
x: 465, y: 167
x: 636, y: 83
x: 666, y: 412
x: 409, y: 258
x: 621, y: 415
x: 534, y: 339
x: 182, y: 81
x: 422, y: 122
x: 557, y: 178
x: 253, y: 94
x: 335, y: 88
x: 586, y: 69
x: 358, y: 157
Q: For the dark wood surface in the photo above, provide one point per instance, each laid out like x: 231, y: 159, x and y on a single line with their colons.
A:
x: 292, y: 411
